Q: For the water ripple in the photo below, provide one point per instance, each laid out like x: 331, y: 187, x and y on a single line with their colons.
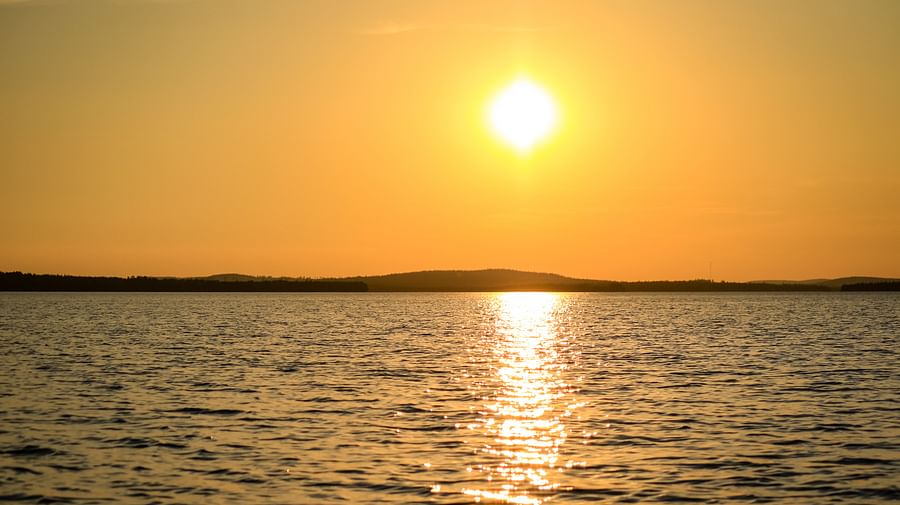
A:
x: 449, y: 398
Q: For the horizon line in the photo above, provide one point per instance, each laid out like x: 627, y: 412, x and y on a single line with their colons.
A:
x: 456, y: 270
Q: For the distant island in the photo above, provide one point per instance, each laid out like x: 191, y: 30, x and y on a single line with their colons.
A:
x: 489, y: 280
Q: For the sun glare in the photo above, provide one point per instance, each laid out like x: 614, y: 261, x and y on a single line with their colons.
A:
x: 523, y: 114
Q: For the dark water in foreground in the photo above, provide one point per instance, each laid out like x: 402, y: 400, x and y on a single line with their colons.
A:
x: 450, y: 398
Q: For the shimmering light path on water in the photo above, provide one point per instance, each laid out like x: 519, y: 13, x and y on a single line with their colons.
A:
x: 449, y: 398
x: 527, y: 399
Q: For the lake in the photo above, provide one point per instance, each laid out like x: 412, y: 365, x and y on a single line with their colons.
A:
x: 522, y: 398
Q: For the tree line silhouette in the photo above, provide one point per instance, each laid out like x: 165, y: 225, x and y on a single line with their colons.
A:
x: 696, y: 285
x: 872, y: 286
x: 18, y: 281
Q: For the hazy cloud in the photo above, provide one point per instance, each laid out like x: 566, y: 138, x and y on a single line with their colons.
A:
x: 503, y: 28
x: 398, y: 27
x: 391, y: 28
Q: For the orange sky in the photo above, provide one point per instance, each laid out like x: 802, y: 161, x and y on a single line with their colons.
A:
x: 338, y: 138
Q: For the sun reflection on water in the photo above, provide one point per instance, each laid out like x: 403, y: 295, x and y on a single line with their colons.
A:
x: 523, y: 420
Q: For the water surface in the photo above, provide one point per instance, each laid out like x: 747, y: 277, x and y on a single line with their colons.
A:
x: 450, y: 398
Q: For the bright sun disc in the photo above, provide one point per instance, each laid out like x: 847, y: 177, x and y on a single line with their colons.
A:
x: 523, y: 114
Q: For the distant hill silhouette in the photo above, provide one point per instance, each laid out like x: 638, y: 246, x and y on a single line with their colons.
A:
x: 515, y: 280
x: 470, y: 280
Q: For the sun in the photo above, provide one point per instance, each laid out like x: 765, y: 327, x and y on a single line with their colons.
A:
x: 523, y: 114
